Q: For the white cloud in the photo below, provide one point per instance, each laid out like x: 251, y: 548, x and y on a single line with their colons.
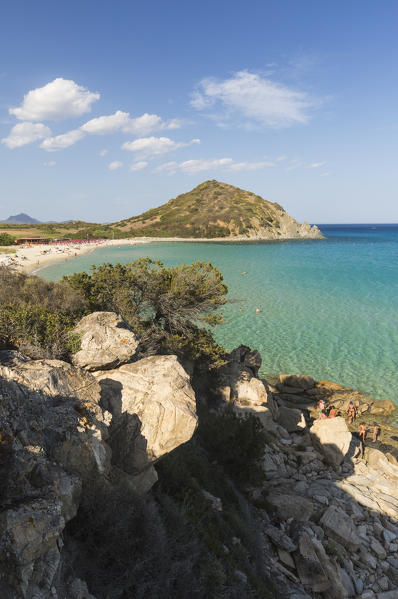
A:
x: 250, y: 166
x: 52, y: 144
x: 138, y: 166
x: 147, y: 123
x: 103, y: 152
x: 121, y: 121
x: 225, y: 164
x: 49, y: 163
x: 106, y: 124
x: 257, y: 99
x: 317, y: 164
x: 280, y: 158
x: 324, y: 174
x: 59, y: 99
x: 25, y: 133
x: 113, y: 166
x: 155, y: 146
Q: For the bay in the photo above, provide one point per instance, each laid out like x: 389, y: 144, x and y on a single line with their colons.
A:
x: 327, y: 308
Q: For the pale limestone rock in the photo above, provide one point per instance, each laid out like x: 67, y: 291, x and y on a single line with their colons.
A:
x: 153, y: 410
x: 339, y: 526
x: 332, y: 439
x: 106, y: 341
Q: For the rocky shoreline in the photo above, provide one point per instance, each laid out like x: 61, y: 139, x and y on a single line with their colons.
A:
x: 326, y: 514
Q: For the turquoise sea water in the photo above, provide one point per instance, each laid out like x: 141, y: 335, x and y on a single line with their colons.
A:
x: 328, y: 307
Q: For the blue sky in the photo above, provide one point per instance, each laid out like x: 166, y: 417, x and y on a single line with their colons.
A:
x: 110, y: 108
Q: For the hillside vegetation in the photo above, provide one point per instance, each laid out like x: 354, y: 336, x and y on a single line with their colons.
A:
x: 211, y: 210
x: 214, y: 210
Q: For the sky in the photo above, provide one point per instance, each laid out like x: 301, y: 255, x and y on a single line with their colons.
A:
x: 108, y: 109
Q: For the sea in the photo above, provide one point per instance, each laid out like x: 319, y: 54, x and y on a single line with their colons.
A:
x: 327, y: 308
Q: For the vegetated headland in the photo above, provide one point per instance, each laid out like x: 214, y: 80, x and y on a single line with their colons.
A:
x: 212, y: 210
x: 139, y: 459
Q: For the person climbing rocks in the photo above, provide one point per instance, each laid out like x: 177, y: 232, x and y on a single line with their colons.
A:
x: 332, y: 412
x: 352, y: 412
x: 376, y: 432
x: 362, y: 430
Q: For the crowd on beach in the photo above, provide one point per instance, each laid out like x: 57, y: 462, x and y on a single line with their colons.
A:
x: 30, y: 257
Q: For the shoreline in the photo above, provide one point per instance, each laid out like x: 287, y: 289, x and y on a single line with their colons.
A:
x: 32, y: 259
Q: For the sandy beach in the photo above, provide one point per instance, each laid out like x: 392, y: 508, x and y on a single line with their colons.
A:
x: 31, y: 259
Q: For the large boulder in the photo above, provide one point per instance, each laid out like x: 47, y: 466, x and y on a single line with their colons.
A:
x: 291, y: 505
x: 339, y: 526
x: 52, y: 443
x: 153, y: 410
x: 54, y: 435
x: 316, y: 570
x: 291, y: 419
x: 106, y: 341
x: 332, y: 439
x: 302, y: 381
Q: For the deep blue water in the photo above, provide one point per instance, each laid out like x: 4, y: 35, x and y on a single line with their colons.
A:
x: 328, y: 307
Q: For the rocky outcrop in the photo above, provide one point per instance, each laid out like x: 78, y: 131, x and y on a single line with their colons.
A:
x: 106, y: 341
x: 239, y: 386
x: 153, y: 410
x: 332, y: 438
x: 57, y: 438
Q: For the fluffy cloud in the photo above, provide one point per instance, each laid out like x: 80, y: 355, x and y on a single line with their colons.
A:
x: 197, y: 166
x: 250, y: 166
x: 113, y: 166
x: 103, y: 152
x: 121, y: 121
x: 59, y: 142
x: 138, y: 166
x: 49, y: 163
x: 25, y: 133
x: 317, y: 164
x: 59, y: 99
x: 256, y: 99
x: 154, y: 146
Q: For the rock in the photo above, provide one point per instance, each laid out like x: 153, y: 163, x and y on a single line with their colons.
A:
x: 378, y: 548
x: 384, y: 406
x: 393, y: 594
x: 347, y: 582
x: 248, y: 358
x: 279, y: 538
x: 286, y: 558
x: 106, y: 341
x: 291, y: 419
x: 153, y: 410
x: 297, y: 380
x: 214, y: 502
x: 384, y: 583
x: 369, y: 560
x: 291, y: 506
x: 368, y: 595
x: 332, y: 439
x: 339, y: 526
x: 315, y: 569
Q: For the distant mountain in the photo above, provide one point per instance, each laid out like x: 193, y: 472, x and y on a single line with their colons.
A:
x: 217, y: 210
x: 21, y: 219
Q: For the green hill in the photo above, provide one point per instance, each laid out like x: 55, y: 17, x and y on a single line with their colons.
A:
x: 214, y: 210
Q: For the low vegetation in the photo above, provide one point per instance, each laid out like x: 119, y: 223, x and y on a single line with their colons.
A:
x: 170, y: 309
x: 6, y: 239
x: 174, y: 543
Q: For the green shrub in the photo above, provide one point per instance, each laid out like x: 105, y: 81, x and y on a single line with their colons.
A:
x: 6, y: 239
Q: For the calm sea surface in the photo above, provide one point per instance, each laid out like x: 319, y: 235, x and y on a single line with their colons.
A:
x: 328, y: 307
